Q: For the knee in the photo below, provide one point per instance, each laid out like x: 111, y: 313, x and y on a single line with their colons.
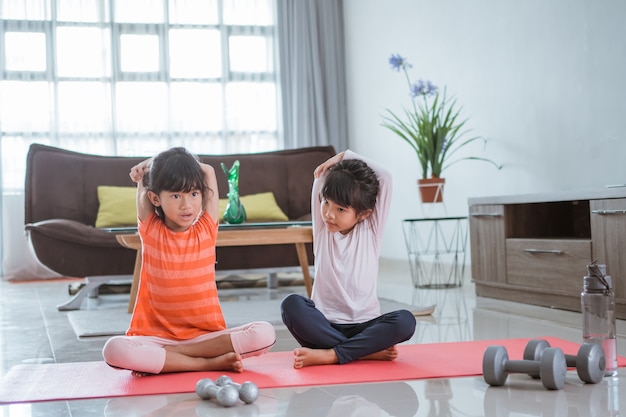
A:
x: 294, y: 307
x: 290, y: 302
x: 255, y: 339
x: 265, y: 334
x: 406, y: 323
x: 115, y: 352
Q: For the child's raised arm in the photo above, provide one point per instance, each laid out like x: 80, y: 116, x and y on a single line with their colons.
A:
x: 211, y: 203
x: 322, y: 168
x: 144, y: 205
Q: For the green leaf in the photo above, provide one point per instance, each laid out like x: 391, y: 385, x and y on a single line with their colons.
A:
x: 434, y: 131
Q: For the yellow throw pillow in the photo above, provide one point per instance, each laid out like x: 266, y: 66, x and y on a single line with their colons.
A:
x: 259, y: 207
x: 118, y: 206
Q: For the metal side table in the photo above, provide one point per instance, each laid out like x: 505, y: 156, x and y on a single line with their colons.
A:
x: 436, y: 247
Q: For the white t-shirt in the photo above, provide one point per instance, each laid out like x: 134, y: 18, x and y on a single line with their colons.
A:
x: 346, y: 266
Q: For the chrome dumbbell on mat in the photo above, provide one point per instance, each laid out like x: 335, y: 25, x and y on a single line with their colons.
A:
x: 590, y: 361
x: 551, y: 368
x: 226, y: 392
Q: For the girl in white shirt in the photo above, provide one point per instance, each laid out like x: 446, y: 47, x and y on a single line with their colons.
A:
x: 342, y: 320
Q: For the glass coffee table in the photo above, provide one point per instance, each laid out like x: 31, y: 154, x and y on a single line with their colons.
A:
x: 297, y: 233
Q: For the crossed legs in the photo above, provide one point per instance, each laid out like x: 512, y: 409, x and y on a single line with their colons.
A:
x: 326, y: 343
x: 215, y: 351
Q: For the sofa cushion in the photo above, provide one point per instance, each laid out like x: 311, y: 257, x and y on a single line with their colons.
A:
x: 117, y: 207
x: 259, y: 207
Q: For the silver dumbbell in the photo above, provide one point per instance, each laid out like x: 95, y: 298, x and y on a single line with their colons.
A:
x: 206, y: 389
x: 590, y: 361
x: 551, y: 368
x: 226, y: 392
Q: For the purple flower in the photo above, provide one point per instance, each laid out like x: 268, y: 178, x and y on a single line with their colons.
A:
x: 397, y: 62
x: 423, y: 88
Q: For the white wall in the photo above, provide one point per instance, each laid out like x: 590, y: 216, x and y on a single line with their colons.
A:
x: 543, y: 80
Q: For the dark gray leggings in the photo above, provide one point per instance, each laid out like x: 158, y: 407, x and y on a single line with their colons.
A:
x: 350, y: 341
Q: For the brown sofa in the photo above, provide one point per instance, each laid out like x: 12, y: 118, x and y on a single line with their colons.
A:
x: 62, y: 205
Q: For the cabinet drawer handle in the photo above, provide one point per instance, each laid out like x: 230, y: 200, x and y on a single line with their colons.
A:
x: 554, y: 251
x: 622, y: 211
x: 486, y: 215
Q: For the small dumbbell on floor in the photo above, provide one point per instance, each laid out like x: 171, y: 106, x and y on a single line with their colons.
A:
x: 590, y: 361
x: 226, y: 392
x: 551, y: 368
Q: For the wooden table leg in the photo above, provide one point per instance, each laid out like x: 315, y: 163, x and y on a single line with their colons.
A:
x: 304, y: 263
x: 135, y: 285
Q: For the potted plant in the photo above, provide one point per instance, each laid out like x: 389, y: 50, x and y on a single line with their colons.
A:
x: 432, y: 126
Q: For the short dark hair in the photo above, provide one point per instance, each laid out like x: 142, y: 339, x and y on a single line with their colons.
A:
x: 177, y: 170
x: 351, y: 183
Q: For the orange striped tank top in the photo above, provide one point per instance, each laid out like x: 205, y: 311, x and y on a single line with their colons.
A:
x: 177, y: 295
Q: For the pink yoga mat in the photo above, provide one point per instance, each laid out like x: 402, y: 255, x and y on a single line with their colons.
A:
x: 63, y: 381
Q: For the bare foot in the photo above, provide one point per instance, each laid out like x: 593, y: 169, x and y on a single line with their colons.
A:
x: 388, y: 354
x: 308, y: 357
x: 230, y: 361
x: 176, y: 362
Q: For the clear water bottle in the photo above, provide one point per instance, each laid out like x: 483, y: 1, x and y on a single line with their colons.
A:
x: 598, y: 308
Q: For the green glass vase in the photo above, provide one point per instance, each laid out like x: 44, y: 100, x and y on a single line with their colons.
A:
x: 235, y: 212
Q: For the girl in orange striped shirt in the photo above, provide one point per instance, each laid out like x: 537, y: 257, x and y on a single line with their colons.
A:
x: 177, y: 324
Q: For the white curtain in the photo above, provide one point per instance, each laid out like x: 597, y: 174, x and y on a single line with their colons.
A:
x: 313, y: 72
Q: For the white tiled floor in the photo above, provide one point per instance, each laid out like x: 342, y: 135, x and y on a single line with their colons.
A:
x: 33, y: 331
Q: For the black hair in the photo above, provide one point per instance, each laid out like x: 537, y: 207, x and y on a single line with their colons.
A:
x: 175, y: 170
x: 351, y: 183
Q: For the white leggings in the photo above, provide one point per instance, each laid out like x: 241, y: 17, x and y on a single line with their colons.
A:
x: 147, y: 353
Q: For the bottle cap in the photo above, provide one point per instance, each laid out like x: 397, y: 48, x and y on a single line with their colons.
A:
x: 596, y: 278
x: 598, y: 283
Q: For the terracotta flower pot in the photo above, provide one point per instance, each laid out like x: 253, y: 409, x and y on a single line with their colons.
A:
x: 431, y: 189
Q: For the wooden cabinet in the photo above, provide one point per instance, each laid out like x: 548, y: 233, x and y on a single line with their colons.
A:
x: 547, y: 264
x: 535, y: 249
x: 487, y: 242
